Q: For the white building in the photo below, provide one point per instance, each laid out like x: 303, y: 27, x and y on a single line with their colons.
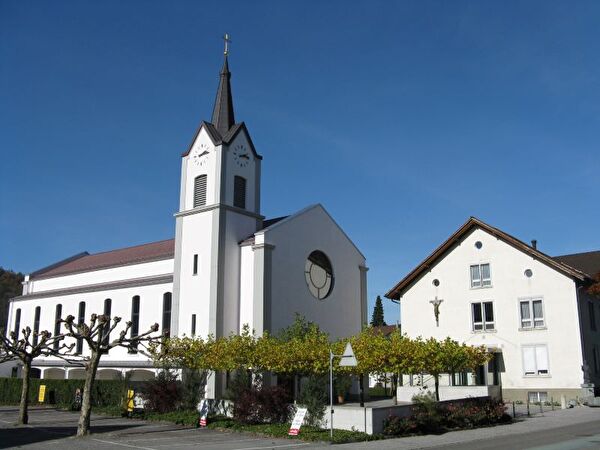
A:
x: 227, y: 266
x: 530, y: 309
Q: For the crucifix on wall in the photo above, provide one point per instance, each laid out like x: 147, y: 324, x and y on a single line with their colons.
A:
x: 436, y: 309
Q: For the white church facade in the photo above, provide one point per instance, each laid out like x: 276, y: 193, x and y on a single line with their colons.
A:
x: 227, y: 265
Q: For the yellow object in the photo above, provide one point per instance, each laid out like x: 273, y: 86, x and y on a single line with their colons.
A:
x: 130, y: 395
x: 42, y: 393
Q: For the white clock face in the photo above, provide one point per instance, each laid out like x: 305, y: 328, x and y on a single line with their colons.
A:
x: 200, y: 154
x: 241, y: 155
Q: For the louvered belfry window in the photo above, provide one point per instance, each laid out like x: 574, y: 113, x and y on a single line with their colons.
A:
x: 239, y: 192
x: 200, y: 191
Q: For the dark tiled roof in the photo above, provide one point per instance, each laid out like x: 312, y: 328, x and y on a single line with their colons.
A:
x: 129, y: 255
x: 386, y: 330
x: 223, y: 117
x: 588, y: 262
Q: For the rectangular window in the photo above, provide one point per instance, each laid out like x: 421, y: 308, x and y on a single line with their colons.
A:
x: 239, y: 192
x: 166, y: 319
x: 80, y: 321
x: 36, y: 325
x: 537, y: 397
x: 135, y: 316
x: 535, y: 360
x: 17, y: 323
x: 193, y: 325
x: 200, y: 191
x: 480, y: 275
x: 592, y: 314
x: 532, y: 313
x: 57, y: 317
x: 195, y: 268
x: 483, y: 316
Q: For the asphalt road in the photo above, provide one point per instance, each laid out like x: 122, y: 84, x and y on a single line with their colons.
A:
x: 576, y: 429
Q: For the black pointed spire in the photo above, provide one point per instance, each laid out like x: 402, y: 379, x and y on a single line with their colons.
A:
x: 222, y: 117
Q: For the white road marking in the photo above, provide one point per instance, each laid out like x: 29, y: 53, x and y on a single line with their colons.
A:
x: 208, y: 442
x: 122, y: 445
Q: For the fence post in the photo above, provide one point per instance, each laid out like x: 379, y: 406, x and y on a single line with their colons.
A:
x: 514, y: 410
x: 541, y: 407
x: 552, y: 402
x: 528, y: 413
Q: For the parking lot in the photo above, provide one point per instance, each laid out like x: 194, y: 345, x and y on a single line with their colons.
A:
x: 51, y: 428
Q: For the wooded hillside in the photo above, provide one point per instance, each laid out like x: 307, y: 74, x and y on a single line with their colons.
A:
x: 10, y: 286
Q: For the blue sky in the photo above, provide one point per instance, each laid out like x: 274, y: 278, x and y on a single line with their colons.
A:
x: 402, y: 118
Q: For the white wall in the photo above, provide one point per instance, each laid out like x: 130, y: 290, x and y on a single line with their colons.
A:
x: 151, y: 298
x: 509, y: 284
x: 340, y: 314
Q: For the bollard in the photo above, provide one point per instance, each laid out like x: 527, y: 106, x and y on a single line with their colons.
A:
x: 541, y: 407
x: 514, y: 411
x: 552, y: 402
x: 563, y: 402
x: 528, y: 413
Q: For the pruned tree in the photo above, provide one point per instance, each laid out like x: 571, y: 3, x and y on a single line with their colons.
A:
x: 26, y: 347
x: 96, y: 336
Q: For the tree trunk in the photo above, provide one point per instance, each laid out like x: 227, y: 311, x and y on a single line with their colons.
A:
x: 437, y: 387
x: 83, y: 427
x: 23, y: 415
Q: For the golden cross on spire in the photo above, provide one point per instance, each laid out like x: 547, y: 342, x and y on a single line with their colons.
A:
x: 227, y: 41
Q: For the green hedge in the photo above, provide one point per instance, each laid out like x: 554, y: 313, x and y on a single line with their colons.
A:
x: 62, y: 392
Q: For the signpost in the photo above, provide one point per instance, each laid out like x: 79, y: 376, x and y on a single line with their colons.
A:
x: 297, y: 422
x: 42, y: 393
x: 347, y: 360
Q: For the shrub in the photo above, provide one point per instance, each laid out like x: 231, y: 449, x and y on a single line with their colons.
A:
x: 314, y: 397
x: 264, y: 405
x: 431, y: 417
x: 164, y: 393
x: 193, y: 385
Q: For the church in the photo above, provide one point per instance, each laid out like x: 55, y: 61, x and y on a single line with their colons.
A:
x: 227, y: 266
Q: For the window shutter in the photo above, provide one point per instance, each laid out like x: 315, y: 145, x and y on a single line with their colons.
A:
x: 239, y: 192
x: 200, y: 191
x: 529, y: 360
x: 541, y: 357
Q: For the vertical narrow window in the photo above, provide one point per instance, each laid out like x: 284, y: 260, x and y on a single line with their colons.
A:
x: 36, y: 324
x: 200, y: 191
x: 135, y: 316
x: 57, y: 317
x: 193, y: 325
x: 166, y: 319
x: 17, y: 323
x: 596, y: 360
x: 80, y: 321
x: 483, y: 316
x: 195, y: 268
x: 592, y: 314
x: 239, y: 192
x: 106, y: 331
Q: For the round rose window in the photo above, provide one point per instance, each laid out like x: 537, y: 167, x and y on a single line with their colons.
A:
x: 319, y: 274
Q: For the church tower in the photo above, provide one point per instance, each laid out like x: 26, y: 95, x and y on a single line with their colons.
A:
x: 219, y: 207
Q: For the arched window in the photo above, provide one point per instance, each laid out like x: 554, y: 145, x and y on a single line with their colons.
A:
x: 36, y: 324
x: 57, y: 317
x: 166, y: 319
x: 80, y: 321
x: 17, y: 323
x: 200, y: 191
x: 239, y: 192
x: 106, y: 331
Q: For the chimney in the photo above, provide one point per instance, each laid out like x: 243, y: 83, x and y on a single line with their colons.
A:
x: 534, y: 244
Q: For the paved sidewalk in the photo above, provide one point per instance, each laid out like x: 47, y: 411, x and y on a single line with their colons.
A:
x: 549, y: 420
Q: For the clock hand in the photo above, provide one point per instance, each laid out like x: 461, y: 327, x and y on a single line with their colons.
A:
x: 245, y: 155
x: 203, y: 153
